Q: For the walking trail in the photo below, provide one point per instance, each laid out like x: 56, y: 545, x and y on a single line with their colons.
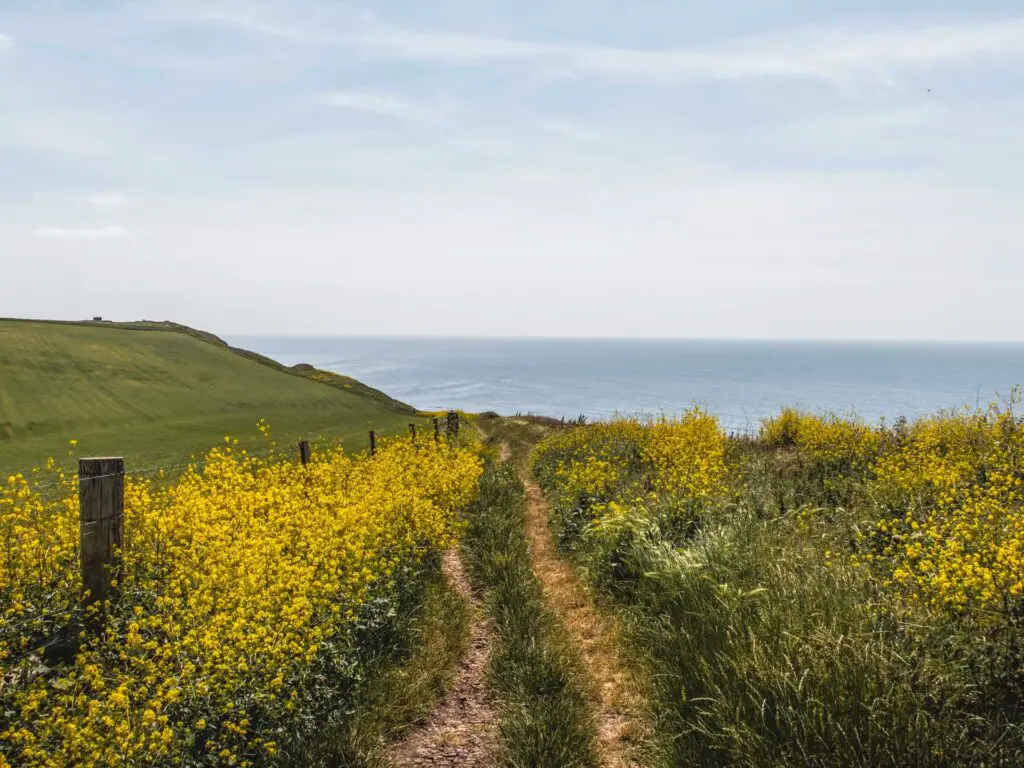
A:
x: 462, y: 730
x: 619, y: 704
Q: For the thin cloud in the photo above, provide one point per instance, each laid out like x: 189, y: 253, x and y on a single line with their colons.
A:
x: 384, y: 104
x: 106, y: 199
x: 250, y: 24
x: 572, y: 130
x: 6, y: 41
x: 826, y: 53
x: 97, y: 233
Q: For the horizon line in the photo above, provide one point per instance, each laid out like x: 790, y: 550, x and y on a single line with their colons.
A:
x: 529, y: 337
x: 509, y: 337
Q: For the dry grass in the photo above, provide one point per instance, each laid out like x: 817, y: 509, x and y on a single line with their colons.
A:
x: 461, y: 731
x: 620, y: 707
x: 546, y: 717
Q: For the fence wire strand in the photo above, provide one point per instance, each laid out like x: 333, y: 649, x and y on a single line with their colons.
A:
x: 275, y: 451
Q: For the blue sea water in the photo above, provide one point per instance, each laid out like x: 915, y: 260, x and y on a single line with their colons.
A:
x: 740, y: 381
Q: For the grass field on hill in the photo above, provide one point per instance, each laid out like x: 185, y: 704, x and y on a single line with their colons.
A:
x: 156, y: 396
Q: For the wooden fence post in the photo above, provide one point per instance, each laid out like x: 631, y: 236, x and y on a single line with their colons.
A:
x: 437, y: 430
x: 304, y: 452
x: 453, y: 424
x: 101, y: 526
x: 412, y: 431
x: 373, y: 443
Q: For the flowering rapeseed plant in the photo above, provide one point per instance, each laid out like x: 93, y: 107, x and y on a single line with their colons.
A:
x: 239, y: 579
x: 944, y: 496
x: 951, y: 490
x: 687, y: 454
x: 604, y: 470
x: 851, y: 575
x: 839, y: 444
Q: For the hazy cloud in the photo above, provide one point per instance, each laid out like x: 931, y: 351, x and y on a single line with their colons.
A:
x: 384, y: 104
x: 572, y: 130
x: 104, y: 199
x: 826, y: 52
x: 6, y: 41
x: 321, y: 151
x: 97, y: 233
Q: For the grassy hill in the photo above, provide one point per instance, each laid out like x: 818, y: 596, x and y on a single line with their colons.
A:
x: 157, y: 392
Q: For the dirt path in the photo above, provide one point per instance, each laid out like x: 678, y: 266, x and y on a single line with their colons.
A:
x: 619, y: 721
x: 462, y: 730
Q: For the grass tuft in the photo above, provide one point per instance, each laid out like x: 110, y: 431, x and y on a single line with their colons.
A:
x: 405, y: 674
x: 546, y: 720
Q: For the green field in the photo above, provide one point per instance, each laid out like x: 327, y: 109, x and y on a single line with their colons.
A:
x: 157, y: 396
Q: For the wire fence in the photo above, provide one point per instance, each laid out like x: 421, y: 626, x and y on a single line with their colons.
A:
x: 53, y: 484
x: 96, y: 494
x: 50, y: 483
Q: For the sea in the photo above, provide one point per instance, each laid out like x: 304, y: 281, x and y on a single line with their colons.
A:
x: 742, y: 382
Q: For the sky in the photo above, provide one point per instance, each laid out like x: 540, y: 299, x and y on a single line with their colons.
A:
x: 611, y: 168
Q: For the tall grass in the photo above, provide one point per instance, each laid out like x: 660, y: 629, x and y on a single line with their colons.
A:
x: 405, y: 665
x: 764, y: 642
x: 545, y: 718
x: 518, y: 434
x: 761, y: 656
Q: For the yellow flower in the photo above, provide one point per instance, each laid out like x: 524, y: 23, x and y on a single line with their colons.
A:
x: 238, y: 575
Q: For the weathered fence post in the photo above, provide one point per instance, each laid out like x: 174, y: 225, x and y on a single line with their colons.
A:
x: 453, y: 424
x: 304, y: 452
x: 101, y: 526
x: 412, y: 431
x: 437, y: 430
x: 373, y: 443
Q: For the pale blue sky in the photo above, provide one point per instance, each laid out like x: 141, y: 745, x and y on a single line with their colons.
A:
x: 769, y: 168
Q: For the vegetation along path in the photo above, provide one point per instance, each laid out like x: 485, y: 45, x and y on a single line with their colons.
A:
x: 461, y: 732
x: 618, y: 703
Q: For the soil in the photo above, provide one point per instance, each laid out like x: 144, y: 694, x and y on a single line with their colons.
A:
x: 618, y: 703
x: 462, y: 730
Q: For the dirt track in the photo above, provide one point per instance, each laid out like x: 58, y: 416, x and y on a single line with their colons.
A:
x: 461, y: 732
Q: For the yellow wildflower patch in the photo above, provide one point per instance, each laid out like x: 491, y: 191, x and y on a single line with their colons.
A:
x: 239, y: 579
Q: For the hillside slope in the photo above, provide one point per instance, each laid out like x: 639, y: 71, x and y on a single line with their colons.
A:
x: 156, y: 396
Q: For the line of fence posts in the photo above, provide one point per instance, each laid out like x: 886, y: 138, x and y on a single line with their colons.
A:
x: 451, y: 426
x: 101, y: 514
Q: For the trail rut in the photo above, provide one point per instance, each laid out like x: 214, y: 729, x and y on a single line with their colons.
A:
x: 462, y: 730
x: 618, y: 702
